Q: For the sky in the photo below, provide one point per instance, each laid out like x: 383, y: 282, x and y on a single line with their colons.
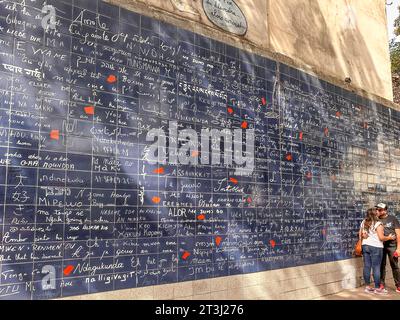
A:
x: 392, y: 14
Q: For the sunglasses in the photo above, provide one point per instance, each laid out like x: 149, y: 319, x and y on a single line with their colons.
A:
x: 380, y: 209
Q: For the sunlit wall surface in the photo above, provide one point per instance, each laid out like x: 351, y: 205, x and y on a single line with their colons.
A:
x: 82, y: 210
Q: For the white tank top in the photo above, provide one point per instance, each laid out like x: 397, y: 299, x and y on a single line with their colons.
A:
x: 373, y: 239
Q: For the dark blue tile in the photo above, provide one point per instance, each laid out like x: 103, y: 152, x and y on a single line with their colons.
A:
x: 86, y: 4
x: 186, y: 274
x: 74, y: 287
x: 147, y: 278
x: 150, y: 24
x: 130, y: 17
x: 107, y: 9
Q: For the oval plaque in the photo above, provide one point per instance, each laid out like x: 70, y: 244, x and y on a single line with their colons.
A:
x: 227, y: 15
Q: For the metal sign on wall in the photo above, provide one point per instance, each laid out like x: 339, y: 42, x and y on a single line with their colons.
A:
x: 227, y: 15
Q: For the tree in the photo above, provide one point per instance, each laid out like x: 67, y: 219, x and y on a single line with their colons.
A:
x: 394, y: 47
x: 397, y: 24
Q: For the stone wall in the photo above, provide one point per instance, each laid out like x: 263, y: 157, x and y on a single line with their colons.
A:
x: 334, y: 39
x: 297, y: 283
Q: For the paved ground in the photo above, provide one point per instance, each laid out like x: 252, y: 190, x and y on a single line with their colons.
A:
x: 359, y: 294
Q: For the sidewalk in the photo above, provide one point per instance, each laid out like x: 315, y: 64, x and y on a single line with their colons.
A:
x: 359, y: 294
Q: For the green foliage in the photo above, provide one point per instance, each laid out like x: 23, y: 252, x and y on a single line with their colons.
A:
x: 397, y: 24
x: 395, y: 56
x: 394, y: 47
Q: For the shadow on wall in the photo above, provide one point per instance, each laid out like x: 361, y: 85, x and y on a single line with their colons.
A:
x: 329, y: 35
